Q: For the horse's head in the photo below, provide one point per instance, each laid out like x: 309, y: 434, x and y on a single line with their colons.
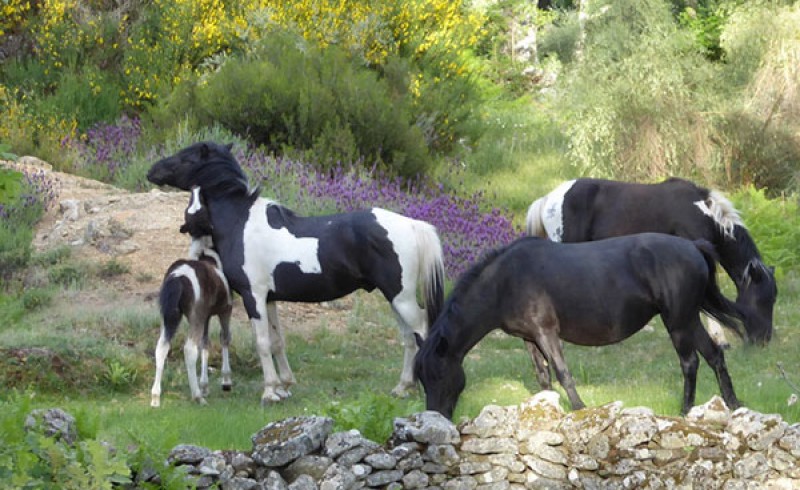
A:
x: 209, y: 165
x: 440, y: 373
x: 757, y: 293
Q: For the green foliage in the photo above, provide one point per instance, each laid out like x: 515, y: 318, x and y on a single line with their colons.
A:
x: 630, y: 107
x: 36, y: 298
x: 33, y: 460
x: 774, y: 225
x: 68, y: 275
x: 10, y: 185
x: 372, y: 414
x: 113, y: 268
x: 119, y: 377
x: 339, y: 112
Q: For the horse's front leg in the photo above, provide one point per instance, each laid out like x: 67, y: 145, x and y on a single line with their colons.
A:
x: 255, y: 304
x: 540, y: 366
x: 285, y: 373
x: 410, y: 319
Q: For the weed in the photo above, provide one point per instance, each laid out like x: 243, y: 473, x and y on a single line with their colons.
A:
x: 119, y: 377
x: 68, y: 275
x: 113, y: 268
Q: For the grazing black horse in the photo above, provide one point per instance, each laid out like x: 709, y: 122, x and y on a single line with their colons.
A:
x: 593, y: 293
x: 271, y: 254
x: 591, y: 209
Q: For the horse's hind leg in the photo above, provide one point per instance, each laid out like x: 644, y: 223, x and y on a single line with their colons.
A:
x: 410, y: 319
x: 225, y: 341
x: 204, y: 360
x: 162, y: 349
x: 285, y: 373
x: 540, y: 366
x: 190, y: 352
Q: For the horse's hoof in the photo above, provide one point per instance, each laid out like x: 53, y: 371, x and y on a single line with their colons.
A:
x: 402, y: 391
x: 155, y: 402
x: 283, y: 392
x: 201, y: 401
x: 725, y: 346
x: 227, y: 387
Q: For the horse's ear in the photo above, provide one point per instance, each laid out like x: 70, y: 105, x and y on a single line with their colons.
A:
x: 418, y: 339
x: 184, y: 228
x: 229, y: 146
x: 755, y: 272
x: 204, y: 150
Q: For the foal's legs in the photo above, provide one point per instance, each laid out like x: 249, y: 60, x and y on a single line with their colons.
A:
x: 285, y: 373
x: 410, y: 319
x: 162, y: 349
x: 204, y: 360
x: 190, y: 352
x: 225, y: 341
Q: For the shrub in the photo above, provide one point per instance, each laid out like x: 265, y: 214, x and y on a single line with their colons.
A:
x: 292, y: 97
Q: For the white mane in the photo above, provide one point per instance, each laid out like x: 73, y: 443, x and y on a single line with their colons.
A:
x: 721, y: 210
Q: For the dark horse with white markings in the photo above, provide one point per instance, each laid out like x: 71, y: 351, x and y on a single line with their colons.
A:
x: 593, y: 293
x: 591, y: 209
x: 271, y: 254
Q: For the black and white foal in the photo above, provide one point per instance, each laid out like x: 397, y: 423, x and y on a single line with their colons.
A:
x: 195, y: 288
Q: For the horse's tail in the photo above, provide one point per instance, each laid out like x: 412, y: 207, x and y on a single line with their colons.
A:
x: 533, y: 221
x: 431, y: 269
x: 169, y: 301
x: 714, y: 303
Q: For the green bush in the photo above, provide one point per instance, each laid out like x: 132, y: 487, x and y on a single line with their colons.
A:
x: 293, y: 98
x: 774, y: 225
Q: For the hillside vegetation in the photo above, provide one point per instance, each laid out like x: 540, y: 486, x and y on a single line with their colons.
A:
x: 457, y: 112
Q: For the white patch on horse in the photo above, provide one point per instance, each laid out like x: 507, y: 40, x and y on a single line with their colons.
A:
x: 194, y: 201
x: 189, y: 273
x: 396, y: 227
x: 553, y: 211
x: 721, y: 210
x: 265, y: 248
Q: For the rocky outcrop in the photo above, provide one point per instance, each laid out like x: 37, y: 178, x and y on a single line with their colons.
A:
x: 533, y: 445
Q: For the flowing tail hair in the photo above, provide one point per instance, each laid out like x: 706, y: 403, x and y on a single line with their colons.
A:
x: 533, y: 221
x: 169, y: 301
x: 715, y: 304
x: 431, y: 270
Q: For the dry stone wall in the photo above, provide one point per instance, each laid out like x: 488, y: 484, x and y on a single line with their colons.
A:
x: 535, y: 445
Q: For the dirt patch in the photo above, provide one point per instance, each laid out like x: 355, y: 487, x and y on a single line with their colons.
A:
x: 101, y: 223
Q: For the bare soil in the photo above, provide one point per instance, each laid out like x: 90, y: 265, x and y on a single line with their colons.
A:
x: 101, y: 223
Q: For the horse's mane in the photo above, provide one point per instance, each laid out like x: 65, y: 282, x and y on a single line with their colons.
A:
x: 216, y: 171
x: 453, y: 304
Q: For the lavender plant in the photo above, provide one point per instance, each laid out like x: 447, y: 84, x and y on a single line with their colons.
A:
x: 468, y: 225
x: 465, y: 227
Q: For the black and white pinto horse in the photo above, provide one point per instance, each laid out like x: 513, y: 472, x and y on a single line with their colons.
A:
x: 271, y: 254
x: 197, y: 289
x: 591, y: 209
x: 593, y: 293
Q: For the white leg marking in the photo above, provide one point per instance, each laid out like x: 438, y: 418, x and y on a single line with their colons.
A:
x: 162, y: 349
x: 410, y: 319
x: 204, y: 370
x: 279, y: 350
x: 190, y: 358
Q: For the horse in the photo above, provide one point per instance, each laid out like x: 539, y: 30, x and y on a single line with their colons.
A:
x: 270, y: 253
x: 197, y: 289
x: 591, y: 293
x: 591, y: 209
